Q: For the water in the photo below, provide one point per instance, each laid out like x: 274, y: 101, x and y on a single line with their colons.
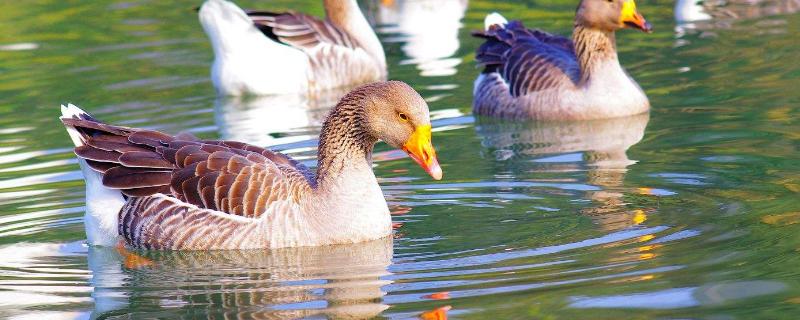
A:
x: 691, y: 211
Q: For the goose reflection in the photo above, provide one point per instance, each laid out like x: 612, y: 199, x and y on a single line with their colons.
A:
x: 342, y: 281
x: 718, y: 14
x: 430, y: 28
x: 274, y: 119
x: 599, y: 146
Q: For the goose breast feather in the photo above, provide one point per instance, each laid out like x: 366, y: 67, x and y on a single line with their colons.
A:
x: 528, y: 60
x: 186, y: 193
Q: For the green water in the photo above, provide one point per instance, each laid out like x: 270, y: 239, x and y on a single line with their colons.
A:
x: 691, y: 211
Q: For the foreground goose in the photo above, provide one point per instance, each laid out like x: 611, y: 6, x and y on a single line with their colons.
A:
x: 536, y: 75
x: 159, y: 191
x: 260, y: 52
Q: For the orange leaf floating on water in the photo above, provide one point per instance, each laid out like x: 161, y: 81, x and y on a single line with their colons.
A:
x: 132, y: 260
x: 438, y: 295
x: 436, y: 314
x: 399, y: 210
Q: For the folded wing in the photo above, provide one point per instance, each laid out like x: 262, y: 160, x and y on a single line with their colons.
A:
x: 230, y: 177
x: 528, y: 60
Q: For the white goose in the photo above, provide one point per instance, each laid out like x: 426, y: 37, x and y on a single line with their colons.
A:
x: 159, y: 191
x: 260, y: 52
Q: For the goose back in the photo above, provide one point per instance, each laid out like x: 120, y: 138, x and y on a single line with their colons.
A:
x: 336, y: 57
x: 174, y: 182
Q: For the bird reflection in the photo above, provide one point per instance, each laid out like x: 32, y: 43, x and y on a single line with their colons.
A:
x: 342, y: 281
x: 274, y: 119
x: 431, y: 29
x: 718, y: 14
x: 601, y: 144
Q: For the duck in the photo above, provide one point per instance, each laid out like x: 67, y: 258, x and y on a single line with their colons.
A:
x: 262, y: 52
x: 152, y: 190
x: 532, y: 74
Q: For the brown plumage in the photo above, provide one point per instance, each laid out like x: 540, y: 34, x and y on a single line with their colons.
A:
x: 187, y: 193
x: 534, y: 74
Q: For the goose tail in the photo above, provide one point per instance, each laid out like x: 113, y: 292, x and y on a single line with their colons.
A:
x: 102, y: 204
x: 494, y: 18
x: 245, y: 59
x: 228, y: 27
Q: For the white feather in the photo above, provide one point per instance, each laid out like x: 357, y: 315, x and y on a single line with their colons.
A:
x: 494, y: 18
x: 102, y: 204
x: 245, y: 60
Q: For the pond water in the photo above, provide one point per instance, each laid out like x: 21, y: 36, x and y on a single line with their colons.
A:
x: 691, y: 211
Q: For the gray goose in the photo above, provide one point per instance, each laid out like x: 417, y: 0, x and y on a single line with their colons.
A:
x: 158, y: 191
x: 263, y: 52
x: 532, y: 74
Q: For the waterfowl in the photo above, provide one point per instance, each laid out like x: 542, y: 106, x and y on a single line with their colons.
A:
x: 262, y: 52
x: 159, y: 191
x: 537, y: 75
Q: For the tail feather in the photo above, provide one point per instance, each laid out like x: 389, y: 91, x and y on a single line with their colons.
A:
x: 70, y: 111
x: 102, y: 204
x: 492, y: 19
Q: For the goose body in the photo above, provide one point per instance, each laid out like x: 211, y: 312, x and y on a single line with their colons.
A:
x: 262, y: 52
x: 531, y: 74
x: 179, y: 192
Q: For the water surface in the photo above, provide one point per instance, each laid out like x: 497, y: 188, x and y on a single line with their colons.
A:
x: 690, y: 211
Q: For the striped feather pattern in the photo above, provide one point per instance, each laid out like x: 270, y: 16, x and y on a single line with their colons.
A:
x: 300, y: 30
x: 337, y: 58
x: 528, y: 60
x: 186, y: 193
x: 161, y: 222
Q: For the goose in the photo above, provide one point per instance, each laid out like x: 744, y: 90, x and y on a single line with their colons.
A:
x: 531, y: 74
x: 164, y: 192
x: 262, y: 52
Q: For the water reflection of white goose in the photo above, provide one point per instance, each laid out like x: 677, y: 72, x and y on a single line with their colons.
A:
x: 342, y: 281
x: 430, y: 28
x: 720, y: 14
x: 599, y: 144
x: 274, y: 119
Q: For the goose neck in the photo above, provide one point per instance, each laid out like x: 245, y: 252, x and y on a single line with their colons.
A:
x: 345, y: 147
x: 593, y: 48
x: 346, y: 15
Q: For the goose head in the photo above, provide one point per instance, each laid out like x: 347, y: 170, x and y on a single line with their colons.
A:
x: 397, y: 114
x: 610, y: 15
x: 390, y: 111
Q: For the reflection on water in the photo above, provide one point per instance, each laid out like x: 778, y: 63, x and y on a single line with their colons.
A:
x: 336, y: 281
x: 600, y: 146
x: 696, y: 15
x: 274, y: 119
x: 430, y: 31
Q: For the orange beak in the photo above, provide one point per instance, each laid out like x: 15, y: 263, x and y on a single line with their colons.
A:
x: 420, y: 148
x: 632, y: 18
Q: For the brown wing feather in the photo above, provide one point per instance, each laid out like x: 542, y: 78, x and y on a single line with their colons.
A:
x: 219, y: 175
x: 300, y: 30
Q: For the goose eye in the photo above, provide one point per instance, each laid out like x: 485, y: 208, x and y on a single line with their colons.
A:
x: 402, y: 116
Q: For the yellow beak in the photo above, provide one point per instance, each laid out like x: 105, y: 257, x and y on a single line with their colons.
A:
x: 631, y: 17
x: 420, y: 148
